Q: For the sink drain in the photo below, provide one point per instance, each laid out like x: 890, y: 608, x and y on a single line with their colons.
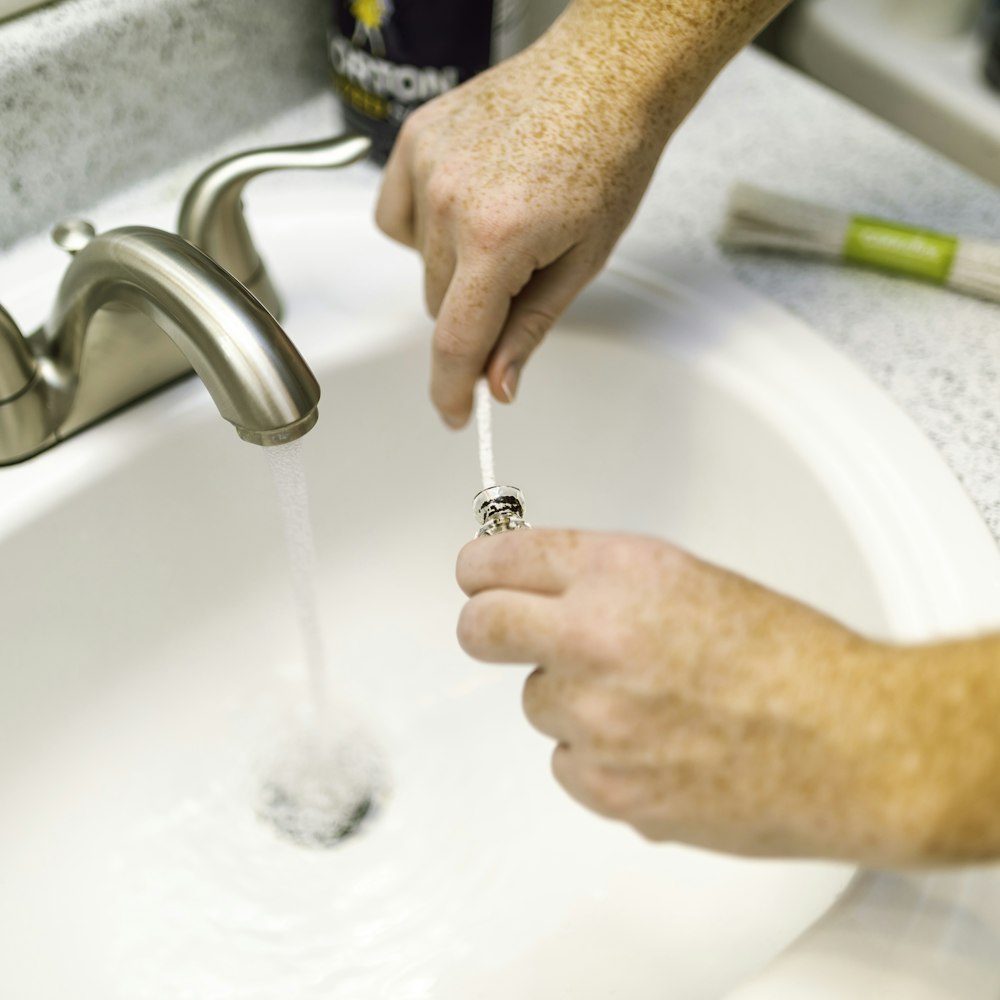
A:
x: 318, y: 791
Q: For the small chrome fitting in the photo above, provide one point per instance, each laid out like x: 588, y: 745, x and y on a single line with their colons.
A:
x: 499, y: 508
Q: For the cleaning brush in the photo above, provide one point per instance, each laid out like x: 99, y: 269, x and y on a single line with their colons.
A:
x: 761, y: 219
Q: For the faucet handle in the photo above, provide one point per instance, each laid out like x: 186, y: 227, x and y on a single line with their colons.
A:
x: 17, y: 363
x: 211, y: 215
x: 72, y: 235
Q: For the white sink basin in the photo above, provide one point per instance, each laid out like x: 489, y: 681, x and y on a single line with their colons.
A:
x: 149, y: 644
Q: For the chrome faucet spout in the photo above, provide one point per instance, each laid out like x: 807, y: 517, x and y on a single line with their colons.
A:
x: 253, y: 372
x: 207, y: 290
x: 139, y: 308
x: 17, y: 366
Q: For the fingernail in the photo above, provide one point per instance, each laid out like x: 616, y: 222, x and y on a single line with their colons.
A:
x: 508, y: 383
x: 452, y: 421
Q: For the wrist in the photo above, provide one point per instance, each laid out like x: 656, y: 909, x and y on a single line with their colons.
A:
x: 657, y: 57
x: 937, y: 787
x: 632, y: 72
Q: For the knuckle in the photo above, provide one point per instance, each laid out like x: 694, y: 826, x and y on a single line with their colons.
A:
x: 432, y: 299
x: 534, y: 695
x: 410, y: 130
x: 618, y: 647
x: 435, y: 288
x: 600, y: 646
x: 465, y: 564
x: 471, y: 629
x: 390, y: 222
x: 533, y: 324
x: 609, y: 793
x: 440, y: 194
x: 606, y: 723
x: 383, y: 219
x: 562, y: 766
x: 496, y: 224
x: 673, y: 565
x: 589, y: 714
x: 650, y: 831
x: 623, y: 553
x: 450, y: 346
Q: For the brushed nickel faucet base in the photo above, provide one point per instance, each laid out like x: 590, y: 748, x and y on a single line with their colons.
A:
x: 139, y: 308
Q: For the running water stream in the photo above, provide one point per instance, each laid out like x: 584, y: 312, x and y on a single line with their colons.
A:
x: 325, y: 776
x: 288, y: 475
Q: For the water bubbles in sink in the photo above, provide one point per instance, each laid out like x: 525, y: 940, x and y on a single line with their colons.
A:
x: 319, y: 787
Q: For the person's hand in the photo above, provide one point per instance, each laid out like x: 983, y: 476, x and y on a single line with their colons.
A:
x: 701, y: 707
x: 514, y: 188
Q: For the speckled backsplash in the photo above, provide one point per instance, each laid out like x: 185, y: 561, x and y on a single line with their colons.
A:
x: 97, y: 94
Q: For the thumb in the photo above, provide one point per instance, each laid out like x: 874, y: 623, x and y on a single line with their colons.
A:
x: 532, y: 314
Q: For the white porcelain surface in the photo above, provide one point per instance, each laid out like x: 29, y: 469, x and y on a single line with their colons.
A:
x: 150, y: 650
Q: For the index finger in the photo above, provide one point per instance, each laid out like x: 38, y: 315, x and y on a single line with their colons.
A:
x: 542, y: 561
x: 395, y: 208
x: 472, y: 316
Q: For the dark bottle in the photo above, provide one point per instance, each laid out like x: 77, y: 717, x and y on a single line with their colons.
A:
x: 992, y: 66
x: 390, y: 56
x: 991, y: 29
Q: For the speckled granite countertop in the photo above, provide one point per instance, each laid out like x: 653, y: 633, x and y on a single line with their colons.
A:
x: 936, y: 352
x: 98, y: 94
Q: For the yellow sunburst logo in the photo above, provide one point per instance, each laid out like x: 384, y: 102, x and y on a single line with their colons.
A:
x: 370, y: 13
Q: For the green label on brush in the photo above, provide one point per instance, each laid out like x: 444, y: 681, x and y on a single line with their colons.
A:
x: 900, y: 248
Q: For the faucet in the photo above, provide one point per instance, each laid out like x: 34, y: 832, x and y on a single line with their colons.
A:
x: 211, y: 215
x: 139, y: 308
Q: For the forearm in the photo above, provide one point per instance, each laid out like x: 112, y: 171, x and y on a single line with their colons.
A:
x: 942, y: 780
x: 658, y: 56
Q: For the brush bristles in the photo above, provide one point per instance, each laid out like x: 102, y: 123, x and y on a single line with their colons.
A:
x: 977, y: 269
x: 764, y: 220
